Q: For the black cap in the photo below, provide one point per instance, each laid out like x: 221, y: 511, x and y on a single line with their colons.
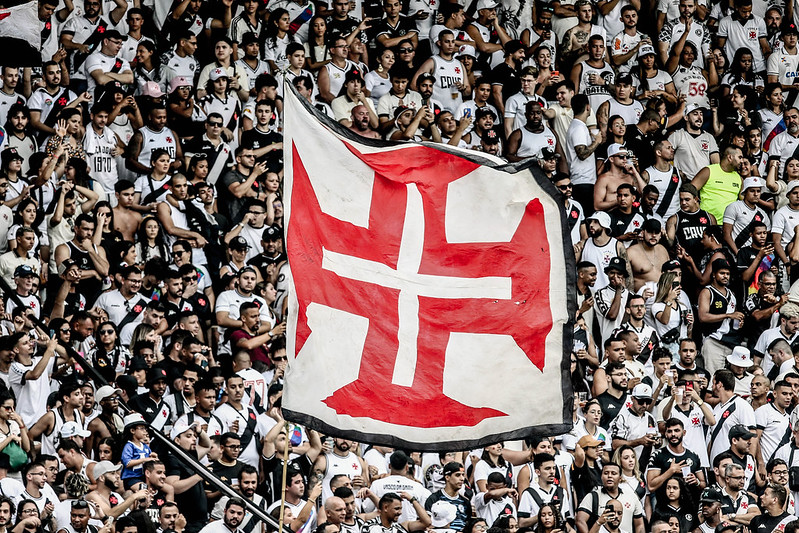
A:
x: 671, y: 264
x: 271, y: 234
x: 739, y: 431
x: 618, y: 264
x: 626, y: 79
x: 484, y: 112
x: 452, y: 467
x: 549, y: 153
x: 652, y: 225
x: 710, y: 495
x: 353, y: 74
x: 720, y: 264
x: 137, y: 363
x: 10, y: 154
x: 238, y: 243
x: 490, y: 137
x: 249, y: 38
x: 789, y: 28
x: 155, y: 375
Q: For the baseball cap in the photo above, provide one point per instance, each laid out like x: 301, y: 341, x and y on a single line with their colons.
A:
x: 652, y: 225
x: 549, y: 153
x: 626, y: 79
x: 424, y: 77
x: 484, y: 112
x: 486, y: 4
x: 789, y: 28
x: 792, y: 185
x: 248, y: 268
x: 642, y: 390
x: 754, y: 181
x: 106, y: 391
x: 671, y: 264
x: 617, y: 149
x: 451, y: 468
x: 24, y: 271
x: 739, y: 431
x: 690, y: 108
x: 137, y: 363
x: 152, y: 89
x: 587, y: 440
x: 353, y: 74
x: 217, y: 73
x: 104, y: 467
x: 66, y: 265
x: 249, y: 38
x: 513, y: 46
x: 73, y: 429
x: 181, y: 427
x: 442, y: 513
x: 490, y: 137
x: 618, y: 264
x: 720, y: 264
x: 179, y: 81
x: 155, y: 375
x: 711, y: 494
x: 601, y: 217
x: 645, y: 50
x: 272, y: 234
x: 238, y: 243
x: 466, y: 50
x: 740, y: 356
x: 9, y: 154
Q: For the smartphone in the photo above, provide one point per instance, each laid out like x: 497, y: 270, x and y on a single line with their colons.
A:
x: 689, y: 385
x: 675, y: 284
x: 555, y: 74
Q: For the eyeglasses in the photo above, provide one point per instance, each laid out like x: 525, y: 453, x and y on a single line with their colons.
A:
x: 32, y: 510
x: 621, y: 156
x: 8, y: 407
x: 111, y: 399
x: 780, y: 472
x: 214, y: 124
x: 405, y: 50
x: 106, y: 332
x: 234, y: 447
x: 189, y: 279
x: 480, y: 527
x: 134, y: 281
x: 645, y: 401
x: 178, y: 252
x: 247, y: 155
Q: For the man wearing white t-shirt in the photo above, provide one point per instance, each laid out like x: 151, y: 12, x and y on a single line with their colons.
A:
x: 103, y: 66
x: 742, y: 29
x: 580, y: 148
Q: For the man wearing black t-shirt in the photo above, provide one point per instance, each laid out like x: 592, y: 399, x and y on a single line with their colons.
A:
x: 672, y: 460
x: 613, y: 399
x: 266, y: 144
x: 227, y: 467
x: 772, y: 503
x: 189, y: 493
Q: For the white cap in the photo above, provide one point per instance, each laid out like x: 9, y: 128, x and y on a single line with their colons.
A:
x: 646, y: 49
x: 642, y: 390
x: 740, y: 356
x: 466, y: 50
x: 73, y: 429
x: 134, y: 419
x: 616, y: 149
x: 104, y: 467
x: 690, y: 108
x: 486, y: 4
x: 442, y: 513
x: 792, y: 185
x: 180, y: 428
x: 106, y: 391
x: 754, y: 181
x: 602, y: 218
x: 218, y: 73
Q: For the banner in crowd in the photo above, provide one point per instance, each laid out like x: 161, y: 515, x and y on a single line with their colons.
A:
x: 431, y: 290
x: 20, y: 37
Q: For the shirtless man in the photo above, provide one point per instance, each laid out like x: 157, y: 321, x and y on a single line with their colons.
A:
x: 126, y: 220
x: 648, y: 255
x: 621, y: 171
x: 574, y: 47
x: 359, y: 119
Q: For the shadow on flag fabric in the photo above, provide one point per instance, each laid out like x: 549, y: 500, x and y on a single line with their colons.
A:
x: 431, y: 291
x: 20, y: 39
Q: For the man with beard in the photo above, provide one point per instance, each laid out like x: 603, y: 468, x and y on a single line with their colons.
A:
x: 718, y: 316
x: 228, y: 305
x: 574, y: 211
x: 425, y: 84
x: 271, y: 241
x: 240, y: 183
x: 105, y: 495
x: 774, y: 517
x: 609, y: 521
x: 529, y: 140
x: 740, y: 438
x: 390, y: 509
x: 151, y: 404
x: 785, y: 144
x: 19, y: 136
x: 665, y: 177
x: 732, y: 412
x: 545, y: 490
x: 648, y: 255
x: 359, y: 123
x: 783, y: 227
x: 613, y: 399
x: 161, y: 494
x: 341, y: 460
x: 695, y: 414
x: 47, y: 102
x: 611, y: 300
x: 620, y: 170
x: 242, y: 420
x: 181, y: 219
x: 629, y: 510
x: 741, y: 215
x: 670, y: 461
x: 693, y: 147
x: 737, y: 505
x: 91, y: 259
x: 188, y: 486
x: 773, y: 425
x: 635, y: 426
x: 636, y: 311
x: 719, y: 184
x: 600, y: 248
x: 227, y: 467
x: 248, y: 482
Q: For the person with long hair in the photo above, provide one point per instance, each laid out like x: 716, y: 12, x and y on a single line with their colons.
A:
x: 109, y: 238
x: 547, y: 77
x: 150, y: 241
x: 377, y: 82
x: 183, y: 114
x: 507, y: 523
x: 549, y: 519
x: 29, y: 520
x: 109, y: 357
x: 145, y: 333
x: 739, y: 113
x: 277, y: 39
x: 12, y: 429
x: 650, y: 81
x: 771, y: 112
x: 406, y: 53
x: 27, y: 215
x: 475, y: 525
x: 198, y: 168
x: 631, y: 478
x: 671, y: 319
x: 779, y: 187
x: 674, y: 499
x: 147, y: 67
x: 490, y: 461
x: 589, y: 425
x: 317, y: 53
x: 741, y: 72
x: 690, y: 79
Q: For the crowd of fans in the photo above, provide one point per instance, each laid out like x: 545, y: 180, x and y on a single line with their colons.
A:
x: 141, y: 227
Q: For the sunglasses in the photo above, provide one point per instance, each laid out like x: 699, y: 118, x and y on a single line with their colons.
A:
x: 405, y: 50
x: 564, y: 187
x: 106, y: 332
x: 284, y: 358
x: 215, y: 124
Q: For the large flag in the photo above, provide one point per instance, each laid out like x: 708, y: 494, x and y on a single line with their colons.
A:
x: 20, y: 36
x: 430, y: 295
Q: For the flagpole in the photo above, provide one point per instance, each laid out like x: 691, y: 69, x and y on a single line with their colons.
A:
x: 285, y: 469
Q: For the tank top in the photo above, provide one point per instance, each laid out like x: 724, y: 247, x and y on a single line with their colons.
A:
x: 336, y: 76
x: 690, y: 227
x: 448, y: 74
x: 348, y: 465
x: 531, y: 143
x: 719, y: 305
x: 81, y: 257
x: 629, y: 112
x: 600, y: 257
x: 692, y: 83
x: 720, y: 190
x: 50, y: 442
x: 597, y: 94
x: 98, y: 152
x: 668, y: 185
x: 152, y: 140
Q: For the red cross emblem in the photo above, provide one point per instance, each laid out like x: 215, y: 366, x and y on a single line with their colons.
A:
x: 62, y: 101
x: 169, y: 139
x: 636, y: 223
x: 163, y: 413
x: 757, y: 217
x: 457, y: 70
x: 674, y: 178
x: 753, y: 35
x: 575, y: 214
x: 695, y: 421
x: 744, y: 505
x: 33, y: 305
x: 101, y: 29
x: 551, y: 141
x: 725, y: 414
x: 117, y: 63
x: 702, y: 220
x: 355, y: 466
x: 705, y: 145
x: 48, y: 25
x: 395, y: 272
x: 749, y: 467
